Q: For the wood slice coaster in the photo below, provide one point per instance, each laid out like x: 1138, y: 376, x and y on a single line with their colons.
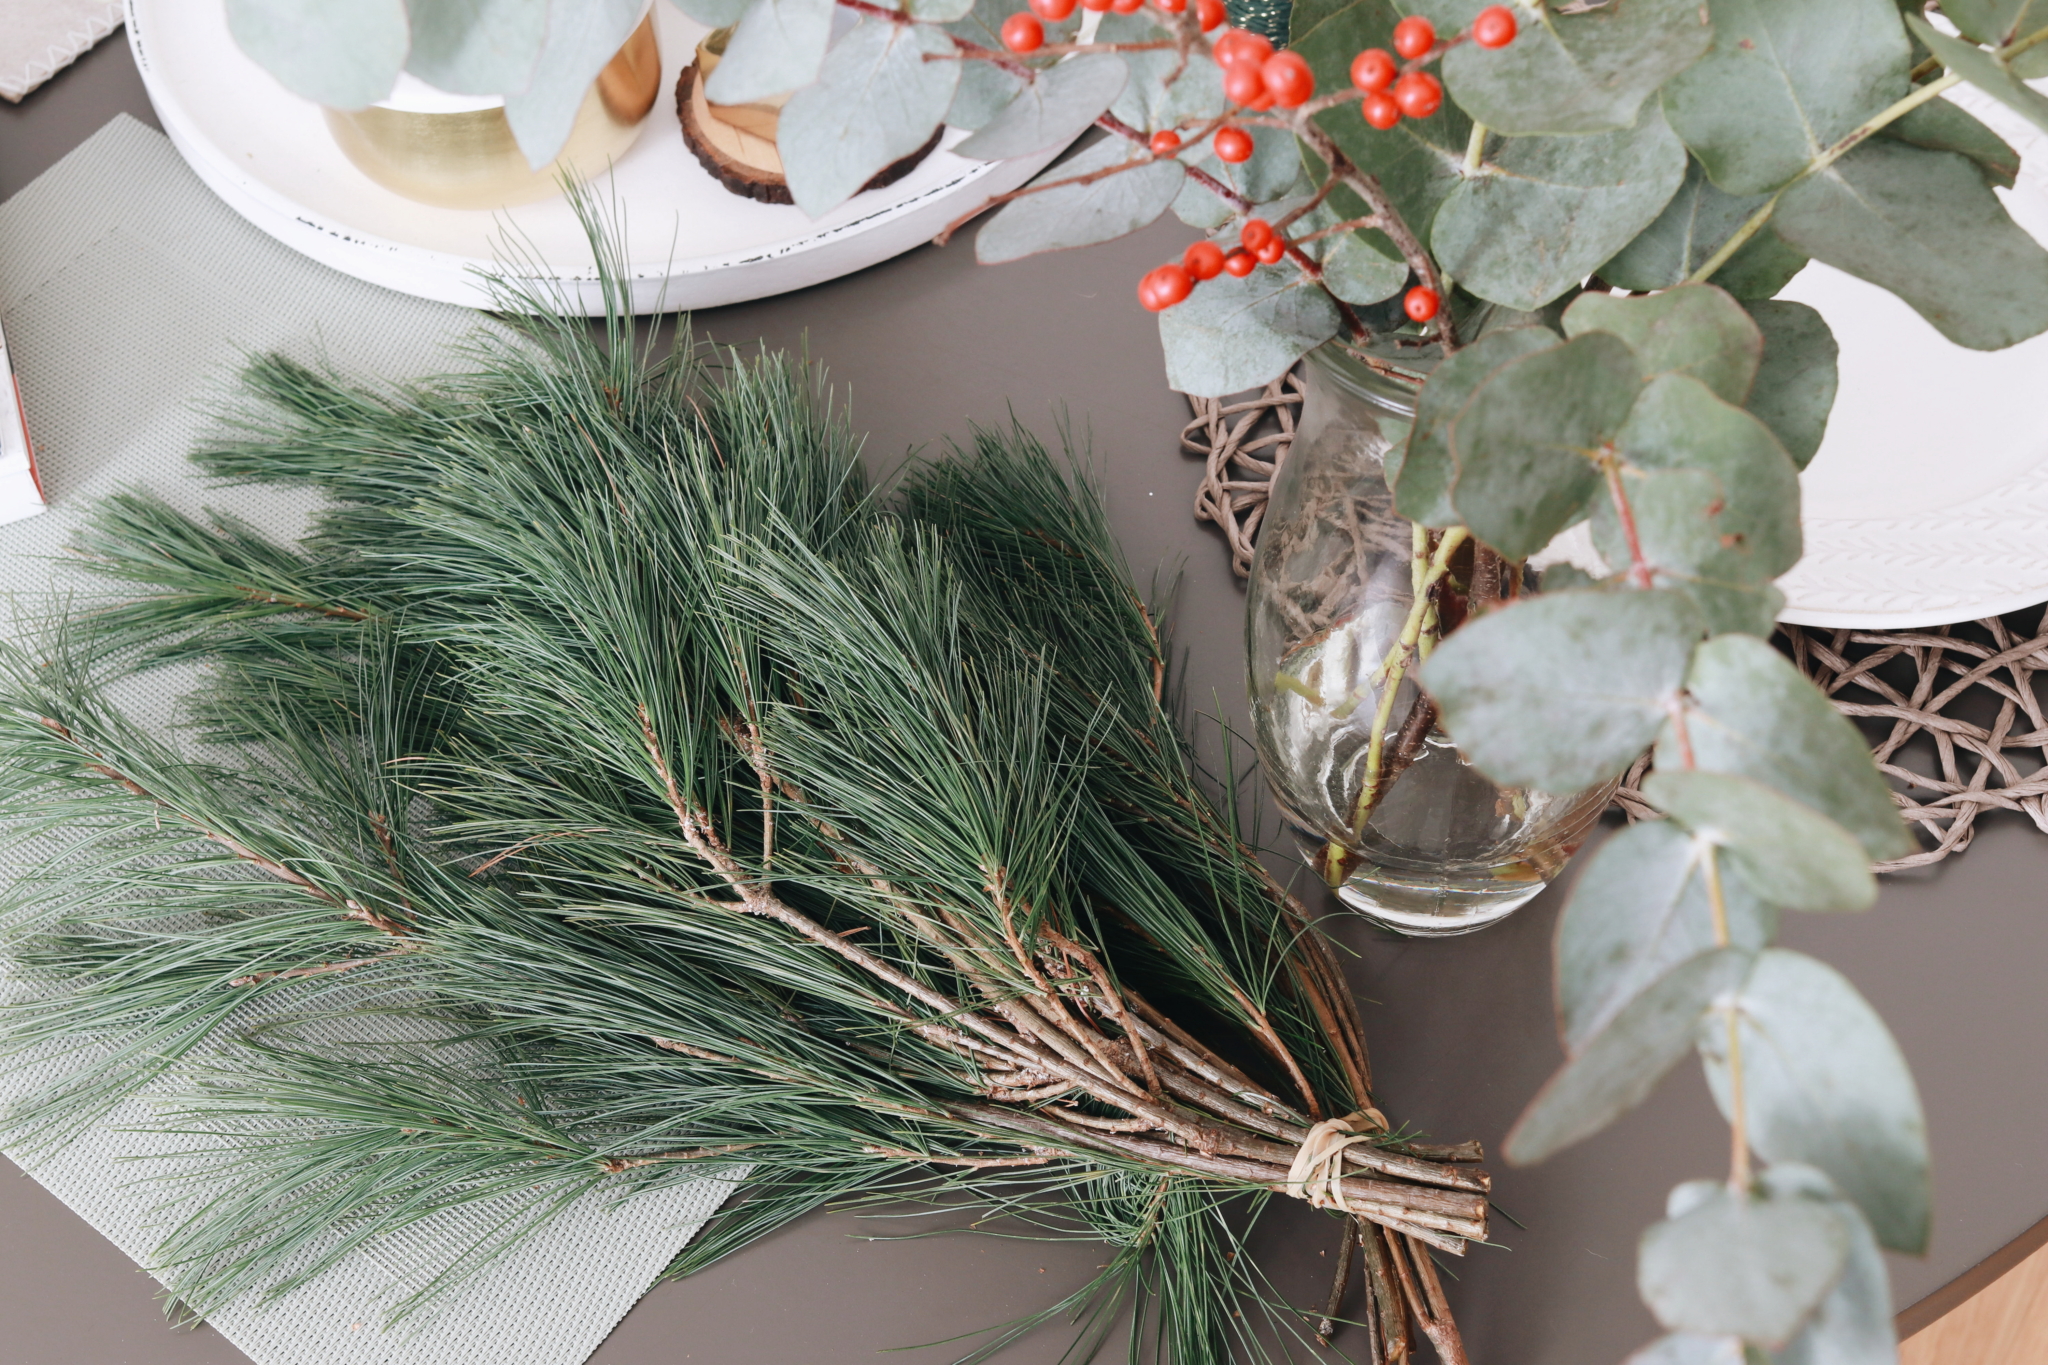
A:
x: 748, y: 165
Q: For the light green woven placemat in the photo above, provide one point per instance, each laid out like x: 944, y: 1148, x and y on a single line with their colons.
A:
x: 128, y: 294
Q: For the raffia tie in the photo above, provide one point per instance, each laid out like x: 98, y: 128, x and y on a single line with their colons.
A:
x: 1317, y: 1174
x: 1947, y: 770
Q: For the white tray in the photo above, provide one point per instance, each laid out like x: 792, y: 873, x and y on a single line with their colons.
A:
x: 691, y: 243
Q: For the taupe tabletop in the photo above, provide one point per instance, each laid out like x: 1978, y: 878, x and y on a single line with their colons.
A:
x: 1461, y: 1030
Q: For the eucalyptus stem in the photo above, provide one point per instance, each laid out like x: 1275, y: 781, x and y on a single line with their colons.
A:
x: 1475, y: 148
x: 1395, y: 668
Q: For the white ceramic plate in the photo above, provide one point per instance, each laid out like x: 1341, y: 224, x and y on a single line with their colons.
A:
x: 1928, y: 501
x: 691, y: 243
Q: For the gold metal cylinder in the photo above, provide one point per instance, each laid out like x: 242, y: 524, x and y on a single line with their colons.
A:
x: 470, y: 160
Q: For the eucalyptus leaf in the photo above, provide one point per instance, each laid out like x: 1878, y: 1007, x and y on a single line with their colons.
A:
x: 1685, y: 1348
x: 714, y: 13
x: 1795, y: 387
x: 1201, y: 207
x: 985, y: 88
x: 1417, y: 161
x: 1422, y: 485
x: 476, y: 47
x: 1547, y: 211
x: 1586, y: 72
x: 1274, y: 168
x: 1944, y: 126
x: 779, y: 46
x: 1639, y: 909
x: 876, y: 100
x: 1692, y: 227
x: 1147, y: 102
x: 1824, y: 1083
x: 583, y: 35
x: 1523, y: 444
x: 1694, y: 330
x: 1565, y: 689
x: 1996, y: 22
x: 1985, y: 70
x: 1925, y: 226
x: 1621, y: 1064
x: 1234, y: 334
x: 1749, y: 711
x: 1713, y: 495
x: 1742, y: 1264
x: 938, y: 11
x: 1785, y: 80
x: 342, y: 56
x: 1055, y: 108
x: 1853, y: 1325
x: 1071, y: 215
x: 1356, y: 273
x: 1787, y: 853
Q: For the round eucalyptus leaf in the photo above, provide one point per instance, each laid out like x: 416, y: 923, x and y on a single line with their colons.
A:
x: 1750, y: 712
x: 1787, y: 853
x: 476, y: 47
x: 1785, y: 79
x: 1638, y: 909
x: 1422, y: 484
x: 1795, y: 385
x: 1692, y: 227
x: 1051, y: 110
x: 1620, y: 1064
x: 344, y: 56
x: 1824, y: 1083
x: 1925, y: 226
x: 1586, y: 72
x: 1742, y: 1264
x: 778, y: 47
x: 1546, y: 212
x: 876, y: 100
x: 1234, y: 334
x: 1853, y: 1325
x: 1523, y: 443
x: 1084, y: 214
x: 1694, y: 330
x: 583, y: 35
x: 1563, y: 690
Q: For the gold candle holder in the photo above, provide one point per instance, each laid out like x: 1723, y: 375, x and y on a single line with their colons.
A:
x: 467, y: 158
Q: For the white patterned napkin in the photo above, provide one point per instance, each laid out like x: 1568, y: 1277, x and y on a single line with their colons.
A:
x: 39, y: 38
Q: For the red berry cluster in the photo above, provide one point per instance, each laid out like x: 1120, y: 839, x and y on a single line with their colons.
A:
x: 1026, y: 32
x: 1258, y: 244
x: 1394, y: 91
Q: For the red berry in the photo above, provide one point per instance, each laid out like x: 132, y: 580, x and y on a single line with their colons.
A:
x: 1164, y: 287
x: 1127, y: 6
x: 1418, y: 94
x: 1255, y: 234
x: 1235, y: 46
x: 1272, y: 251
x: 1494, y: 26
x: 1420, y: 303
x: 1165, y: 142
x: 1211, y: 13
x: 1289, y: 79
x: 1414, y: 37
x: 1023, y: 33
x: 1233, y: 144
x: 1052, y: 11
x: 1242, y: 83
x: 1171, y: 6
x: 1204, y: 260
x: 1240, y: 263
x: 1373, y: 70
x: 1381, y: 111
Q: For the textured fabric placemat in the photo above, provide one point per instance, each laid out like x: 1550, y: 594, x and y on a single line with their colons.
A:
x: 129, y: 294
x: 39, y: 38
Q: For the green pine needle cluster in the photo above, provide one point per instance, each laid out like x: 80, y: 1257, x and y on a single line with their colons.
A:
x: 612, y: 789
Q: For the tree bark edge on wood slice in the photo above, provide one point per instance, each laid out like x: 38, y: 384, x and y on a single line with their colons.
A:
x: 762, y: 184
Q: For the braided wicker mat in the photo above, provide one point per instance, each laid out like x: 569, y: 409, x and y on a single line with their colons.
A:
x: 1954, y: 713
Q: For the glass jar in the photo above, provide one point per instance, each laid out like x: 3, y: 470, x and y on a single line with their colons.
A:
x: 1385, y: 807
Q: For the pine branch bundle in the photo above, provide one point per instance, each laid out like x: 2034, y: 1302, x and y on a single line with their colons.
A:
x: 712, y: 809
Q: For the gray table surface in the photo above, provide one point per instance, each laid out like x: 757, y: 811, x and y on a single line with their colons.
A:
x: 1461, y: 1030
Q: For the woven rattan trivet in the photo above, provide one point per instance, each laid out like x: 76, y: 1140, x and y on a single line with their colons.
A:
x: 1965, y: 714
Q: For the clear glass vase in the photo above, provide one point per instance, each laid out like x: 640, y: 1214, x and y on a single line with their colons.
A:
x: 1385, y: 807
